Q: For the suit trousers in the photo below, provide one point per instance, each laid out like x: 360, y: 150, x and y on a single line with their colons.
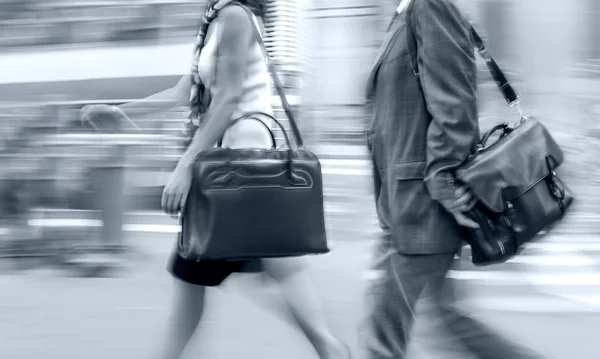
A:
x: 392, y: 296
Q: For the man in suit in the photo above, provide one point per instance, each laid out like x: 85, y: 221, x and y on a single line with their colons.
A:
x: 424, y: 124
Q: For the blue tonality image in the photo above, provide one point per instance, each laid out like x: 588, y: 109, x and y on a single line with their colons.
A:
x: 299, y: 179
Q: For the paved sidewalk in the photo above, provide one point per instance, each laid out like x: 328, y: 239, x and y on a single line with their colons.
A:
x: 45, y: 315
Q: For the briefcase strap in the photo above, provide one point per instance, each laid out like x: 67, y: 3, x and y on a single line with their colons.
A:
x: 510, y: 95
x: 278, y: 86
x: 508, y: 92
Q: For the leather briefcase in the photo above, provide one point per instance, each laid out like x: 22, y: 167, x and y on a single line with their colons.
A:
x: 518, y: 190
x: 255, y: 203
x: 514, y: 179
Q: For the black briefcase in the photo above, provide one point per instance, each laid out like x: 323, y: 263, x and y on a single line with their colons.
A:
x: 515, y: 180
x: 519, y: 191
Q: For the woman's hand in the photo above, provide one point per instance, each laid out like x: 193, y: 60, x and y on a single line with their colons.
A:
x: 89, y: 111
x: 176, y: 191
x: 103, y: 117
x: 107, y: 118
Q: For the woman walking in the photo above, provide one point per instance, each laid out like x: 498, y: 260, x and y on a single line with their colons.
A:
x: 229, y: 78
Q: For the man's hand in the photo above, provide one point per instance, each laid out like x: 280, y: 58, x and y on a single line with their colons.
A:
x: 465, y: 201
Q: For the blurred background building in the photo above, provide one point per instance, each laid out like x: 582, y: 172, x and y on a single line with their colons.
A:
x: 538, y: 39
x: 122, y: 49
x: 114, y: 50
x: 61, y: 186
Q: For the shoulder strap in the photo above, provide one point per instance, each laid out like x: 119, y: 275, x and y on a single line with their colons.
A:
x: 278, y: 86
x: 508, y: 92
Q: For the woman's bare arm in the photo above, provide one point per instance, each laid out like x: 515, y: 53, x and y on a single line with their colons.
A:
x: 159, y: 102
x: 177, y: 95
x: 232, y: 57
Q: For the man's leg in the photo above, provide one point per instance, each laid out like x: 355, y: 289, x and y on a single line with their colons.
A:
x: 477, y: 338
x: 391, y: 297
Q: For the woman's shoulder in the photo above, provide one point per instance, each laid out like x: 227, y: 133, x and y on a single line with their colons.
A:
x: 234, y: 25
x: 234, y: 14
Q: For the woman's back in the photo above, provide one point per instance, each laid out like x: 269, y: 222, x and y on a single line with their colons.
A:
x: 255, y: 94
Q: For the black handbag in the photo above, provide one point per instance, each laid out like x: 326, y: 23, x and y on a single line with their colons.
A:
x: 514, y: 179
x: 255, y: 203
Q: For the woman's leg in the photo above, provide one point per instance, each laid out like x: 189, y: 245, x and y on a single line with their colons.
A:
x: 187, y: 307
x: 304, y: 303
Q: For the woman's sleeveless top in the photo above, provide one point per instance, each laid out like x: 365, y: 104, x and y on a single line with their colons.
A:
x: 256, y: 90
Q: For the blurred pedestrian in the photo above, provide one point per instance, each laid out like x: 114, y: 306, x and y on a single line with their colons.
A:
x: 229, y: 74
x: 424, y: 124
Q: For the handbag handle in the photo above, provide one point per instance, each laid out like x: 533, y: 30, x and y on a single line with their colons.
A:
x: 252, y: 115
x: 278, y: 86
x: 511, y: 97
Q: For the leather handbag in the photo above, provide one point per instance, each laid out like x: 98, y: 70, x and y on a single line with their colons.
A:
x: 514, y: 178
x: 255, y: 203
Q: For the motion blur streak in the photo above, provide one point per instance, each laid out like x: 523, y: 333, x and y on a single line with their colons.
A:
x: 83, y: 244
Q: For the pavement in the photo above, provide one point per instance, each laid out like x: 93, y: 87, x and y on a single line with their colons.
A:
x: 548, y: 299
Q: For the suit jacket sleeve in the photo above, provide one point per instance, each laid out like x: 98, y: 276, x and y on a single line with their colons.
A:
x: 448, y: 73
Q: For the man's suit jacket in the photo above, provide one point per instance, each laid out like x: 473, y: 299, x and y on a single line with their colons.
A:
x: 422, y: 127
